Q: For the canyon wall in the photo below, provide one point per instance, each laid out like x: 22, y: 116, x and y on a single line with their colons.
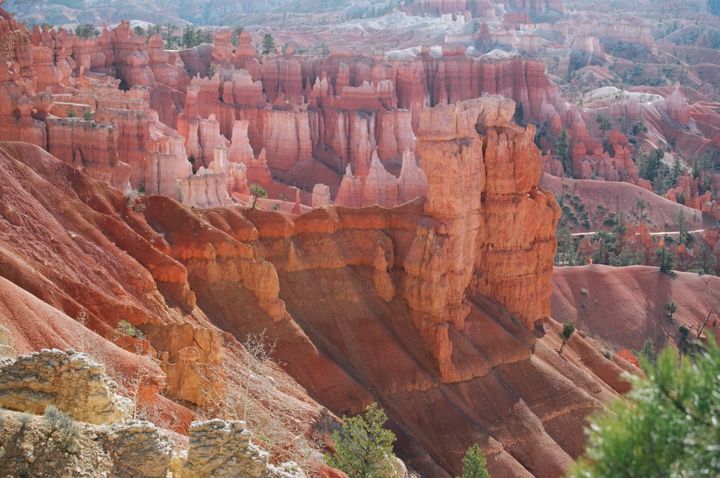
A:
x: 408, y: 305
x: 422, y: 307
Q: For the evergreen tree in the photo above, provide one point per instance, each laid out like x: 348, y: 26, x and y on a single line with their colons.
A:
x: 189, y: 36
x: 667, y: 426
x: 684, y: 234
x: 257, y: 191
x: 566, y: 254
x: 667, y: 261
x: 567, y: 332
x: 363, y: 447
x: 268, y: 44
x: 650, y: 165
x: 604, y: 123
x: 235, y: 39
x: 562, y: 148
x: 474, y: 463
x: 86, y: 30
x: 675, y: 172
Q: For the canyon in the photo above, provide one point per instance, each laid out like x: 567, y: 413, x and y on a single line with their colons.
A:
x: 400, y: 218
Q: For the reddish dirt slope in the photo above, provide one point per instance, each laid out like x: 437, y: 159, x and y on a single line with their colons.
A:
x: 625, y: 306
x: 315, y: 284
x: 72, y: 248
x: 661, y: 213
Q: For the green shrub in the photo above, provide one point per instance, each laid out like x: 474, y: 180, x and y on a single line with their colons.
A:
x: 363, y: 447
x: 567, y: 332
x: 126, y: 328
x: 257, y: 191
x: 25, y: 420
x: 61, y: 425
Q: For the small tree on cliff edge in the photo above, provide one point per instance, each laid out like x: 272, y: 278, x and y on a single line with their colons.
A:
x: 567, y: 332
x: 474, y: 463
x: 363, y: 447
x: 257, y: 191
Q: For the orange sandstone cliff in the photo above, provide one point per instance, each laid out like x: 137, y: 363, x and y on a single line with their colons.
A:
x: 435, y: 309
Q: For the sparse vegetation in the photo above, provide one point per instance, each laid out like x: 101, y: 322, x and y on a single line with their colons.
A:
x: 192, y: 37
x: 604, y: 123
x: 666, y: 259
x: 257, y: 191
x: 86, y: 30
x: 648, y: 351
x: 235, y: 37
x: 126, y: 328
x: 670, y: 309
x: 567, y: 331
x: 63, y: 429
x: 25, y: 420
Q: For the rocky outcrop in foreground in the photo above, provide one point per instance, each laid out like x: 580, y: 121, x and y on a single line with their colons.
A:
x: 70, y: 381
x: 76, y: 445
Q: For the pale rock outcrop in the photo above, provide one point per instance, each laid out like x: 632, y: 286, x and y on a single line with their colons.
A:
x: 321, y: 195
x: 287, y: 139
x: 192, y: 360
x: 412, y: 182
x: 210, y: 138
x: 240, y: 149
x: 70, y: 381
x: 138, y: 449
x: 220, y: 449
x: 208, y: 187
x: 168, y: 160
x: 677, y: 108
x: 6, y: 344
x: 380, y: 187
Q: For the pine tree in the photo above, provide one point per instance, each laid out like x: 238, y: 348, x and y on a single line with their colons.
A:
x: 667, y: 261
x: 666, y: 427
x: 257, y: 191
x: 474, y: 463
x: 86, y: 30
x: 268, y: 44
x: 363, y: 447
x: 562, y: 148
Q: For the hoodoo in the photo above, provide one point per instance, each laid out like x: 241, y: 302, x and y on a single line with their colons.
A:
x: 463, y: 227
